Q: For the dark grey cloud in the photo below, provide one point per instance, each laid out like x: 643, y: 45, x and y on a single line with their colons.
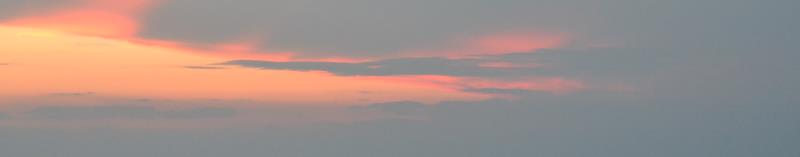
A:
x: 15, y: 8
x: 124, y: 112
x: 394, y: 67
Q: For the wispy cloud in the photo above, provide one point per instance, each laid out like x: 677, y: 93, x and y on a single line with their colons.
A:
x: 394, y: 67
x: 487, y: 74
x: 124, y: 112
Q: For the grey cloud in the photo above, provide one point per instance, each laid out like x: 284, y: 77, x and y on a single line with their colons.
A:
x: 349, y: 27
x: 13, y: 8
x: 123, y: 112
x: 394, y: 67
x: 596, y: 67
x: 620, y: 64
x: 379, y: 27
x: 357, y: 27
x: 700, y: 46
x: 571, y: 125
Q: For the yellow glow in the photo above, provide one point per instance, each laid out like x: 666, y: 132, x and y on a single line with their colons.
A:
x: 42, y: 62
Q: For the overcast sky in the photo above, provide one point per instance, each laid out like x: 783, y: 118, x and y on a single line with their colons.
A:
x: 386, y: 78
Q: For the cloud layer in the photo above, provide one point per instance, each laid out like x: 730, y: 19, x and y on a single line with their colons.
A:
x: 124, y: 112
x: 594, y: 124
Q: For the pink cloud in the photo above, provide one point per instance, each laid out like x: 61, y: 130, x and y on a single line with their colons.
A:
x: 502, y: 42
x: 552, y: 85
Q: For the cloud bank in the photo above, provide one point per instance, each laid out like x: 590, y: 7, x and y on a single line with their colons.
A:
x: 594, y: 124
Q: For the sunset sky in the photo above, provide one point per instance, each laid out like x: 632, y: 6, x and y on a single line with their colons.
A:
x: 375, y: 78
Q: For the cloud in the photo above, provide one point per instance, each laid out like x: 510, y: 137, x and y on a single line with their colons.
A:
x: 124, y: 112
x: 394, y: 67
x: 13, y: 8
x: 466, y: 74
x: 584, y: 63
x: 381, y: 28
x: 350, y: 28
x: 499, y: 91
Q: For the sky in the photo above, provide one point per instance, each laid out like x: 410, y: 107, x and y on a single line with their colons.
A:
x: 384, y: 78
